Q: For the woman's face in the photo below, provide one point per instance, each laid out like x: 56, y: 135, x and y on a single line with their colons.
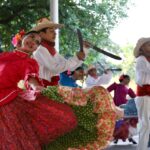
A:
x: 49, y: 35
x: 145, y: 49
x: 31, y: 42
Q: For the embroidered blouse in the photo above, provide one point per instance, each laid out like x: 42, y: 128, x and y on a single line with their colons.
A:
x: 14, y: 66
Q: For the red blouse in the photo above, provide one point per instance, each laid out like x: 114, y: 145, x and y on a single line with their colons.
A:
x: 14, y: 66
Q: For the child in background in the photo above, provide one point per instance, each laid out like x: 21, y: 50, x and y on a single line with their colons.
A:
x: 126, y: 127
x: 121, y: 90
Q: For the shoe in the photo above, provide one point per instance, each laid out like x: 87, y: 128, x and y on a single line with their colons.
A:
x: 133, y: 141
x: 116, y: 141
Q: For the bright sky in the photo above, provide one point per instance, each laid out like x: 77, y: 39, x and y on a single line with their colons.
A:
x: 137, y: 25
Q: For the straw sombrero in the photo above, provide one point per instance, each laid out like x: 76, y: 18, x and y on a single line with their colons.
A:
x: 139, y: 44
x: 45, y: 23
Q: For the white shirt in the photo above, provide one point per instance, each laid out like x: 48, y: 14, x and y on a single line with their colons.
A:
x: 103, y: 79
x: 142, y: 71
x: 53, y: 65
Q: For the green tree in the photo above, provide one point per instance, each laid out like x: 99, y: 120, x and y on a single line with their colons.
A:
x: 128, y: 64
x: 17, y: 14
x: 95, y: 19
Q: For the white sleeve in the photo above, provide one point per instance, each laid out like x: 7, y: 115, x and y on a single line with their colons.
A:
x: 142, y: 65
x: 57, y: 63
x: 142, y: 71
x: 104, y: 79
x: 90, y: 81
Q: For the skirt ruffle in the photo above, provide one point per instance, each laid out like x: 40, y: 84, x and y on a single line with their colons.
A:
x: 28, y: 125
x: 95, y: 114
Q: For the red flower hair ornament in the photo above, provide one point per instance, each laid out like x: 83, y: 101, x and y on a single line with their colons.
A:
x: 17, y: 38
x: 121, y: 77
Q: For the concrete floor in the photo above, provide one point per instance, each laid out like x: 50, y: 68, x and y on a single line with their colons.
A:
x: 123, y: 145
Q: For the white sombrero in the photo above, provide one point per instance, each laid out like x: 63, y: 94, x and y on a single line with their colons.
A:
x: 139, y: 44
x: 45, y: 23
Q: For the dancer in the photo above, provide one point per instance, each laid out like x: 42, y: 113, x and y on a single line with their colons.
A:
x: 68, y: 78
x: 142, y: 55
x: 93, y: 79
x: 125, y: 128
x: 27, y: 119
x: 50, y: 61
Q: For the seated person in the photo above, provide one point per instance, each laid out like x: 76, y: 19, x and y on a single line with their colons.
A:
x: 93, y: 79
x: 68, y: 78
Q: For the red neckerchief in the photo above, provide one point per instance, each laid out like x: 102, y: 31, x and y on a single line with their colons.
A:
x: 49, y: 46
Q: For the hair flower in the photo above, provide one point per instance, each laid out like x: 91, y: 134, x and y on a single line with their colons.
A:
x: 17, y: 38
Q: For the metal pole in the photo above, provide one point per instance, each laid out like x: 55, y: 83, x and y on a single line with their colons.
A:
x: 54, y: 13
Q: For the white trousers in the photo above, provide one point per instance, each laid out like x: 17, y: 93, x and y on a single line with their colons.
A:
x: 143, y: 107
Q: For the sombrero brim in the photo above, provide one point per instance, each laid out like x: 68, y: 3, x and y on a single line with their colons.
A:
x: 47, y: 25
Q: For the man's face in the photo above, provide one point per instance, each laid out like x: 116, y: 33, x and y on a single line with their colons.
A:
x: 79, y: 74
x: 49, y: 35
x: 31, y: 42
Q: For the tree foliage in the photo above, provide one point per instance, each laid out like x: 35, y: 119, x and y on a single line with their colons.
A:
x: 95, y: 18
x: 128, y: 63
x: 17, y: 14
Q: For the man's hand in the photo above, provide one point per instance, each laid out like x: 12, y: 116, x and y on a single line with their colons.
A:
x: 86, y: 44
x: 80, y: 55
x: 106, y: 71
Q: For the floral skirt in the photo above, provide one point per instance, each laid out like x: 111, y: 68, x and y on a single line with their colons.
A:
x: 96, y: 117
x: 28, y: 125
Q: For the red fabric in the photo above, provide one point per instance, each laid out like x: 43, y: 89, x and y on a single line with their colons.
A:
x: 14, y: 66
x: 52, y: 51
x: 143, y: 91
x: 54, y: 81
x: 28, y: 125
x: 50, y: 119
x: 122, y: 132
x: 49, y: 46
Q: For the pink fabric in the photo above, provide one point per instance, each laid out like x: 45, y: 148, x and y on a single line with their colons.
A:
x: 120, y: 93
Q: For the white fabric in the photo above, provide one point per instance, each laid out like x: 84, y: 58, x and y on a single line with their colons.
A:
x: 53, y: 65
x: 142, y: 71
x: 143, y: 102
x: 132, y: 131
x: 103, y: 79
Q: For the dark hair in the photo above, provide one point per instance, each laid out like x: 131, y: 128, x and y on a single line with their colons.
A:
x: 77, y: 69
x: 43, y: 30
x: 124, y: 76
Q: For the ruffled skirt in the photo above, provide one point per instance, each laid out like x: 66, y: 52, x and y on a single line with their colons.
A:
x: 96, y: 117
x: 28, y: 125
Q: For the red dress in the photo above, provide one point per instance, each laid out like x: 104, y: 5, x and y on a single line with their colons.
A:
x: 26, y: 124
